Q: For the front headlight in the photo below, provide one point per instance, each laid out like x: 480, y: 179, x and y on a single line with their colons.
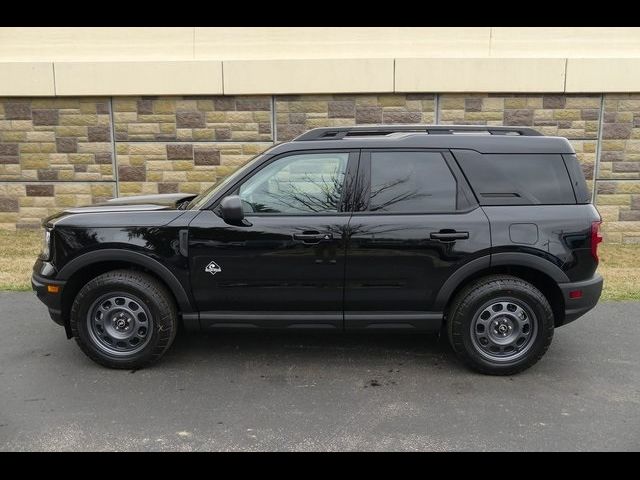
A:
x: 46, y: 245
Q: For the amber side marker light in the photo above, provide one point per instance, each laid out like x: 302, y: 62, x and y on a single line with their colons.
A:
x: 53, y: 288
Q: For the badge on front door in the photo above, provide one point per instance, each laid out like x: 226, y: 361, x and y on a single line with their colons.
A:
x: 212, y: 268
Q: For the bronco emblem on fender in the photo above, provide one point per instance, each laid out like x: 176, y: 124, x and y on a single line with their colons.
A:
x: 212, y: 268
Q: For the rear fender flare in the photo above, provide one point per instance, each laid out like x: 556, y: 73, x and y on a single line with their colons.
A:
x: 516, y: 259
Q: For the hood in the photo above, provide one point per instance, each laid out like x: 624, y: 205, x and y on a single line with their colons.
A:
x: 163, y: 207
x: 165, y: 201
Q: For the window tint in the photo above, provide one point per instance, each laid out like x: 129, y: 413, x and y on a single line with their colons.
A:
x: 411, y: 182
x: 520, y: 179
x: 577, y: 176
x: 297, y: 184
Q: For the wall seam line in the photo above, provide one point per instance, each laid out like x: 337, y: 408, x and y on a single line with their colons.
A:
x: 114, y: 160
x: 394, y: 75
x: 490, y: 39
x: 274, y: 124
x: 596, y: 166
x: 437, y: 108
x: 222, y: 74
x: 564, y: 88
x: 53, y: 70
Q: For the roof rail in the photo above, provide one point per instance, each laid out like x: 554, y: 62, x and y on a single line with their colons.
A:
x: 338, y: 133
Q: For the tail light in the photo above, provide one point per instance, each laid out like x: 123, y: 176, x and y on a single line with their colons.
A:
x: 596, y: 238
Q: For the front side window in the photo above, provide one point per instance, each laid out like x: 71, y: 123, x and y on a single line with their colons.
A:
x: 297, y: 184
x: 411, y: 182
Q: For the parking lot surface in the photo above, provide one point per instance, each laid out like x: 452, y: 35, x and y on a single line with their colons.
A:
x: 310, y: 391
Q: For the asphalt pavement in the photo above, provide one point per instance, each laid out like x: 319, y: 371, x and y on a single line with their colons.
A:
x: 309, y: 391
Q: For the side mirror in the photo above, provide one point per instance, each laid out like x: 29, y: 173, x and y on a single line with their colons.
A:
x: 232, y: 212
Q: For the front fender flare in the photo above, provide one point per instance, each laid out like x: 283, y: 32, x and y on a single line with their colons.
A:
x: 136, y: 258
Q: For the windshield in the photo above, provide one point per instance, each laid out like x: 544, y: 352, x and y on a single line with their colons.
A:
x: 202, y: 199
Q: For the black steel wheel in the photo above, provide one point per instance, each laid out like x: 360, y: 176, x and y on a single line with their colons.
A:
x: 119, y: 323
x: 124, y: 319
x: 500, y: 325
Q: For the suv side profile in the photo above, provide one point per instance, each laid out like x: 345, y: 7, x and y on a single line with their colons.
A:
x: 485, y: 233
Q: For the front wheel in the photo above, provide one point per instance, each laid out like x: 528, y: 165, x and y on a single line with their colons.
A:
x: 500, y: 325
x: 124, y: 319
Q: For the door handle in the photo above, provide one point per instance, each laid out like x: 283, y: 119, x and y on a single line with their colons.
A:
x: 312, y: 237
x: 449, y: 236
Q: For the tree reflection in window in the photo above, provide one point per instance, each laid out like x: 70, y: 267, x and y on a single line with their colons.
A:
x: 384, y: 196
x: 297, y: 184
x: 411, y: 182
x: 313, y: 183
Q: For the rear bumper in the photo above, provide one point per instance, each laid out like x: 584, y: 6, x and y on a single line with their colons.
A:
x: 53, y: 301
x: 576, y: 307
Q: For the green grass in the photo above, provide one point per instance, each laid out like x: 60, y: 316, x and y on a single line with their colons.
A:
x: 619, y: 265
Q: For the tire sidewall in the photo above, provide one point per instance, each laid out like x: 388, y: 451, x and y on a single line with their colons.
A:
x: 538, y: 305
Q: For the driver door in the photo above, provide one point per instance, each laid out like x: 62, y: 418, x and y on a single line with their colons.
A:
x: 285, y: 267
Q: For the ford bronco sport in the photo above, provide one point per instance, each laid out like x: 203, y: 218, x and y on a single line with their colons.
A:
x: 485, y: 233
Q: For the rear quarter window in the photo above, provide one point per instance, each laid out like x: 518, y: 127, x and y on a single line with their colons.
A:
x: 576, y: 173
x: 517, y: 179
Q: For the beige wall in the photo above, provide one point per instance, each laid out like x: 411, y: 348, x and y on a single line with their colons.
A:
x: 192, y: 60
x: 260, y: 43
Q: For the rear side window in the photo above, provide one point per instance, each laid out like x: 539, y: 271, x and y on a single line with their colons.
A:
x: 411, y: 182
x: 517, y: 179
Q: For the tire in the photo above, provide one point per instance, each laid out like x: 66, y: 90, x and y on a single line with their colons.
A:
x: 500, y: 325
x: 124, y: 319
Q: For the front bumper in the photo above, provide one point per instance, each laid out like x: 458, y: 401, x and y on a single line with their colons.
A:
x: 53, y: 301
x: 576, y: 307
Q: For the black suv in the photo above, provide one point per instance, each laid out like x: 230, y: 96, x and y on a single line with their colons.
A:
x: 487, y: 233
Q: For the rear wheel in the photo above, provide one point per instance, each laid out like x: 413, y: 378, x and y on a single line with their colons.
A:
x: 500, y: 325
x: 124, y: 319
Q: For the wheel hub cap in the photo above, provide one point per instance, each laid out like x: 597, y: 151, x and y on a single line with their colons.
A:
x: 122, y: 322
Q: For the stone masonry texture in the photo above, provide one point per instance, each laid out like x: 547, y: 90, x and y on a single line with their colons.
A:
x: 564, y: 115
x: 55, y: 139
x: 618, y: 189
x: 295, y: 114
x: 62, y: 152
x: 24, y: 205
x: 193, y: 119
x: 148, y: 168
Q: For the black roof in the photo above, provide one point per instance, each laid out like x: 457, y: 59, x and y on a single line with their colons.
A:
x: 481, y: 138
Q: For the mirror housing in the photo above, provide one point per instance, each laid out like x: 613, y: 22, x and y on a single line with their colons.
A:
x: 232, y: 211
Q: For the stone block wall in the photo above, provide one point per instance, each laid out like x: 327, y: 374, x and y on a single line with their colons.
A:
x: 60, y: 152
x: 154, y: 167
x: 192, y: 119
x: 55, y: 139
x: 295, y: 114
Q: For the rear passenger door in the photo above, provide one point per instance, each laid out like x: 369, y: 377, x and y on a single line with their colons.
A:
x: 415, y: 223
